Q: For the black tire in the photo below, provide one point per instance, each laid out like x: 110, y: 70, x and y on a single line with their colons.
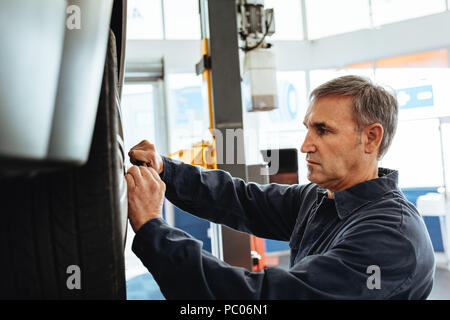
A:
x: 71, y: 217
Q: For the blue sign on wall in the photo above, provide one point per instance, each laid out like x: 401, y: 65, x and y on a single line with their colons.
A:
x: 415, y: 97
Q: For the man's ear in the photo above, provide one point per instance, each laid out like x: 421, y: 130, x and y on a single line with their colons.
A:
x: 374, y: 135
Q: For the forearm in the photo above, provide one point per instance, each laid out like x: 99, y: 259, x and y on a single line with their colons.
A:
x: 184, y: 271
x: 267, y: 211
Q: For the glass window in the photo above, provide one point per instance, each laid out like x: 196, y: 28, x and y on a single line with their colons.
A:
x: 330, y: 17
x: 138, y: 119
x: 144, y: 19
x: 138, y: 112
x: 292, y: 103
x: 421, y: 92
x: 318, y: 77
x: 420, y: 81
x: 445, y: 127
x: 427, y: 59
x: 182, y: 19
x: 288, y: 19
x: 281, y: 127
x: 387, y: 11
x: 188, y: 115
x: 416, y: 153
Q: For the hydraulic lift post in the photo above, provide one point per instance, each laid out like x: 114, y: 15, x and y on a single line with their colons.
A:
x: 219, y: 31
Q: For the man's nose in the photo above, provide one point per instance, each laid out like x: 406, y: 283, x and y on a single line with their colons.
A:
x: 308, y: 144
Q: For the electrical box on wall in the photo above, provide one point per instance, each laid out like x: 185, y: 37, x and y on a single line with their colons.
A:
x: 259, y: 80
x: 255, y: 24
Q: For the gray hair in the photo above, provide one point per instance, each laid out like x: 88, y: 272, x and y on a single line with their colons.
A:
x: 371, y: 104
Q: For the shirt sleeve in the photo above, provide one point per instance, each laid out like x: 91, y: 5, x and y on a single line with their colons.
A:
x: 267, y: 211
x: 184, y: 271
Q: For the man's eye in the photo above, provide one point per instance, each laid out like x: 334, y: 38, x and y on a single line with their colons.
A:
x: 322, y: 130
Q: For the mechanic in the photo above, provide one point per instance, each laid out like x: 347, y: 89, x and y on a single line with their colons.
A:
x: 352, y: 233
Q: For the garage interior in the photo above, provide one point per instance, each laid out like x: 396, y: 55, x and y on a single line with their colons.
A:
x: 395, y: 42
x: 175, y: 71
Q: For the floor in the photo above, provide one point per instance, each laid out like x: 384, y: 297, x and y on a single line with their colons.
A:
x: 441, y: 286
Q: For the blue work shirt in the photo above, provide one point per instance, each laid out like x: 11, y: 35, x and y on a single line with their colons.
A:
x: 368, y: 242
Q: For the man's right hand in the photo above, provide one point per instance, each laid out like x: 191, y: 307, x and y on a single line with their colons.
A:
x: 145, y: 153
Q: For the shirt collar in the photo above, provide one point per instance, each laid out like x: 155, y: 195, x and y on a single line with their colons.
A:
x: 353, y: 198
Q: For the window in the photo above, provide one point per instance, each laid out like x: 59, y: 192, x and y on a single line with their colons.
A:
x: 428, y: 59
x: 318, y: 77
x: 420, y: 81
x: 281, y: 127
x: 292, y: 103
x: 388, y: 11
x: 182, y: 19
x: 139, y: 122
x: 416, y: 153
x: 330, y: 17
x: 421, y: 93
x: 445, y: 133
x: 138, y: 112
x: 144, y: 19
x: 288, y: 19
x: 188, y: 114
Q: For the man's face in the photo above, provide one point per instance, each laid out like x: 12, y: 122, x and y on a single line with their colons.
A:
x: 332, y: 143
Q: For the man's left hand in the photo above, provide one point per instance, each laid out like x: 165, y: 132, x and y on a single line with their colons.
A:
x: 145, y: 195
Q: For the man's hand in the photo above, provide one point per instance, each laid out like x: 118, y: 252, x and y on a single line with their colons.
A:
x: 145, y: 153
x: 145, y: 195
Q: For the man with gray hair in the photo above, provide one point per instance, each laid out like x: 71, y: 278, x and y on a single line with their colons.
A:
x: 352, y: 233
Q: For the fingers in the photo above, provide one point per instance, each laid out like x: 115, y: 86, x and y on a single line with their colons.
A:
x: 137, y: 156
x: 152, y: 176
x: 155, y: 174
x: 140, y: 176
x: 146, y: 174
x: 143, y: 143
x: 142, y: 158
x: 157, y: 179
x: 130, y: 181
x: 136, y: 175
x: 145, y: 154
x: 145, y: 195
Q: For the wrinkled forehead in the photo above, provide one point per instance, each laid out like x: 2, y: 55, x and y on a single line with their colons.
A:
x: 331, y: 109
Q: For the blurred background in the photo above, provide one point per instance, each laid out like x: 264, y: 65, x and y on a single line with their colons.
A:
x: 401, y: 44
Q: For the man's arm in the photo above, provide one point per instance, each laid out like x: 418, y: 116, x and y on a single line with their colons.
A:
x: 184, y: 271
x: 267, y: 211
